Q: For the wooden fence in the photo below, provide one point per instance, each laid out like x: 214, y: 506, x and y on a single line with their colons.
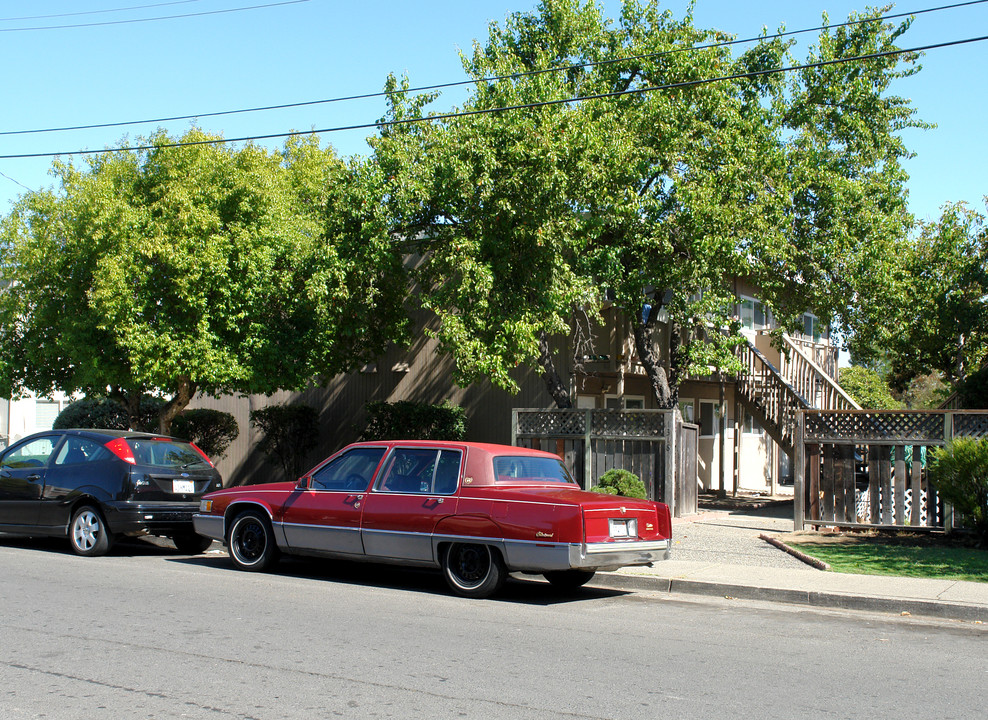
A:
x: 867, y: 468
x: 649, y: 443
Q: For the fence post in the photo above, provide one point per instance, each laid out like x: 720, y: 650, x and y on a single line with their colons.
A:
x: 514, y: 426
x: 798, y: 474
x: 948, y: 436
x: 587, y: 449
x: 669, y: 482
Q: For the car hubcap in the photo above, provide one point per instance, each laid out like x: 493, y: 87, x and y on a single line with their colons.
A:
x: 250, y: 541
x: 86, y: 530
x: 470, y: 564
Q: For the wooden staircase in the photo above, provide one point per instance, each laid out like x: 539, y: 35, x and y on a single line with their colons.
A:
x: 773, y: 396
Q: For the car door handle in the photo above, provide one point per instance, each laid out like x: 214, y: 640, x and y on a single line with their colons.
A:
x: 34, y: 478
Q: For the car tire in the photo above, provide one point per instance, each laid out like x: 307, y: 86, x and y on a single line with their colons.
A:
x: 473, y: 570
x: 251, y: 542
x: 191, y: 543
x: 88, y: 533
x: 568, y: 579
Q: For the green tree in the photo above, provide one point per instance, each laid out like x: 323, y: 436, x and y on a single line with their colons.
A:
x: 196, y: 269
x: 868, y: 388
x: 660, y: 197
x: 934, y: 318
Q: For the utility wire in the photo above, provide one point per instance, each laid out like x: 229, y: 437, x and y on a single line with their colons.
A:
x: 460, y: 83
x: 153, y: 19
x: 96, y: 12
x: 16, y: 182
x: 487, y: 111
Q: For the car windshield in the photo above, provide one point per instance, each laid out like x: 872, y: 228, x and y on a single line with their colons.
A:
x: 165, y: 453
x: 530, y: 469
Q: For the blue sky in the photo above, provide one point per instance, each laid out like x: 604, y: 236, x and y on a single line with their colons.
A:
x: 327, y: 48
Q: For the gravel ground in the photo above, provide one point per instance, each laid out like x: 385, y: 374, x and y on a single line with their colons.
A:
x: 732, y: 537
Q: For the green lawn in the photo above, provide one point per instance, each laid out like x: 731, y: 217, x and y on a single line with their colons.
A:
x: 873, y: 557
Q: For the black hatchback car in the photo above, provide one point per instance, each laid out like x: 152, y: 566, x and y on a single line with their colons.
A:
x: 93, y: 486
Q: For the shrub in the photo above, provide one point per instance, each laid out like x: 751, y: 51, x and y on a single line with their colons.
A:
x: 93, y: 413
x: 211, y: 430
x: 289, y: 432
x: 107, y: 414
x: 406, y: 420
x: 959, y: 472
x: 620, y: 482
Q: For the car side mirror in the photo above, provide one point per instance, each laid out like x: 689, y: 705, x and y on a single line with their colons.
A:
x: 303, y: 482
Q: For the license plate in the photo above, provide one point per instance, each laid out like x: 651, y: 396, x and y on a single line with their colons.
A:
x: 623, y: 527
x: 183, y: 487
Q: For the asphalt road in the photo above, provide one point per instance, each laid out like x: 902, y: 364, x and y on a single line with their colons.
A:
x: 148, y: 633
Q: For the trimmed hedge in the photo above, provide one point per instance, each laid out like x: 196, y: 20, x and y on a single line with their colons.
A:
x: 107, y: 414
x: 959, y: 472
x: 212, y: 431
x: 407, y: 420
x: 290, y: 432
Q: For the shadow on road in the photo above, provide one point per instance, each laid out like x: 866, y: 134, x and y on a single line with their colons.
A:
x: 524, y: 589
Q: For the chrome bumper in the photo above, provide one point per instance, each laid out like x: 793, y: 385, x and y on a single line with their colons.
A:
x: 614, y: 555
x: 210, y: 526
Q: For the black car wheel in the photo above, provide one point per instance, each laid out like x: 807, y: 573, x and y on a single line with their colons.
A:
x: 568, y: 579
x: 473, y: 571
x: 251, y: 543
x: 191, y: 543
x: 88, y: 533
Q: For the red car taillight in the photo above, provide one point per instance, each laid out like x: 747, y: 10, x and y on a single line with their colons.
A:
x: 122, y: 450
x: 204, y: 456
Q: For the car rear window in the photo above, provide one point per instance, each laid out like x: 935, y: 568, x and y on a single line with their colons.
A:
x: 530, y: 469
x: 165, y: 453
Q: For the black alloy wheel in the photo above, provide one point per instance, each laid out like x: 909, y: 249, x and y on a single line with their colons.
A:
x: 251, y: 542
x: 473, y: 570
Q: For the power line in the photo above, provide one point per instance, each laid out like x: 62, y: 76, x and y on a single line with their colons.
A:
x: 460, y: 83
x: 487, y: 111
x: 16, y: 182
x: 156, y: 18
x: 96, y: 12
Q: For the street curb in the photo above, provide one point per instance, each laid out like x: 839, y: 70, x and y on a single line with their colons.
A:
x: 814, y: 598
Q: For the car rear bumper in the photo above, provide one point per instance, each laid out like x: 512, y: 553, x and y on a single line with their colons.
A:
x: 527, y: 556
x: 165, y: 518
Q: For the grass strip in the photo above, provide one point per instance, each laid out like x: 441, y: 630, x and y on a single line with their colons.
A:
x: 876, y: 558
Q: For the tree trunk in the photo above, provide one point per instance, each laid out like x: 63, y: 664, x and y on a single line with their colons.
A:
x: 557, y: 388
x: 180, y: 400
x: 662, y: 390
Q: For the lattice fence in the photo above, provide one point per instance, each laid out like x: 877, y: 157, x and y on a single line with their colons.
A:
x: 868, y: 468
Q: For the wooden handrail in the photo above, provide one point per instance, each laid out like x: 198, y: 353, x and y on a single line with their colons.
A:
x: 813, y: 382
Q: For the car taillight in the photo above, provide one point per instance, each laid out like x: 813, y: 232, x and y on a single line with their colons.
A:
x: 122, y: 450
x: 204, y: 456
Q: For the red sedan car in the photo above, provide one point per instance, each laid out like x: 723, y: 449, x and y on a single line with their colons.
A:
x: 476, y: 511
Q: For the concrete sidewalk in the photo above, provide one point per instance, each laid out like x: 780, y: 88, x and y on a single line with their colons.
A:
x: 720, y: 553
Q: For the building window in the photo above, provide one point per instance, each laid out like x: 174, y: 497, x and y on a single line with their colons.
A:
x: 586, y: 402
x: 709, y: 418
x: 812, y: 328
x: 45, y: 412
x: 753, y: 314
x: 687, y: 409
x: 624, y: 402
x: 751, y: 427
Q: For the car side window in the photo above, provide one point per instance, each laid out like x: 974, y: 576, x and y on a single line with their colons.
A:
x: 422, y: 471
x: 28, y: 455
x: 351, y: 471
x: 75, y: 451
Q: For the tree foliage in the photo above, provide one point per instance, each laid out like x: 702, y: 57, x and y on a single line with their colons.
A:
x: 620, y: 482
x: 959, y: 472
x: 197, y: 269
x: 868, y: 388
x: 934, y: 317
x: 661, y: 197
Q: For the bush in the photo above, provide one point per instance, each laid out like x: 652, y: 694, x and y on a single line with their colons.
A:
x: 100, y: 413
x: 289, y: 432
x: 959, y: 472
x: 406, y: 420
x: 212, y: 431
x: 107, y: 414
x: 620, y: 482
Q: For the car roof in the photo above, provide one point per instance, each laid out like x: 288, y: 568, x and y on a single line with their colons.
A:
x: 103, y: 433
x: 492, y: 449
